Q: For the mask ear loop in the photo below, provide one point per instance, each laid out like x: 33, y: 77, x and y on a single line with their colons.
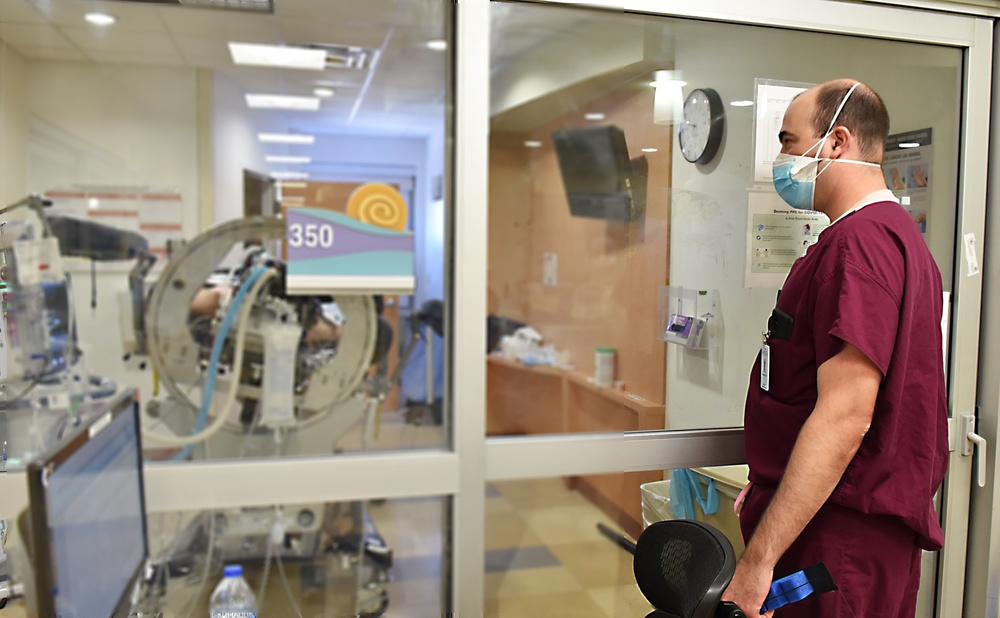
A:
x: 829, y: 129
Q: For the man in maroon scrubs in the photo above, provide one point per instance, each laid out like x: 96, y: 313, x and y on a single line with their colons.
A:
x: 846, y: 414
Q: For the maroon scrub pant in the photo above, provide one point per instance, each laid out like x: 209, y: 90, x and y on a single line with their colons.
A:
x: 874, y: 561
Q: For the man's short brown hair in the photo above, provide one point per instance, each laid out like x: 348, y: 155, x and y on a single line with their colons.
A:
x: 864, y: 115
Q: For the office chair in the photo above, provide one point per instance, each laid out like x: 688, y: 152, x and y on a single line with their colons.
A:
x: 682, y: 568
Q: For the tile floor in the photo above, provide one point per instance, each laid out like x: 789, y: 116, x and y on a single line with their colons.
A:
x: 544, y: 555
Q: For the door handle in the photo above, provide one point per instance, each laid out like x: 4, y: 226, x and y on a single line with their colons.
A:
x: 972, y: 441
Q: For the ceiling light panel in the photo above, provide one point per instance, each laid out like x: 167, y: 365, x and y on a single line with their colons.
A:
x: 100, y: 19
x: 279, y: 56
x: 287, y: 159
x: 286, y: 138
x: 289, y: 175
x: 347, y: 56
x: 281, y: 101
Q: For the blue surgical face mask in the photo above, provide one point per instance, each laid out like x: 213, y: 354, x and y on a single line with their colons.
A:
x: 795, y: 179
x: 794, y: 176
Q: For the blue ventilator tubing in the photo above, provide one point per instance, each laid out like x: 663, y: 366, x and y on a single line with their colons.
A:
x: 213, y: 364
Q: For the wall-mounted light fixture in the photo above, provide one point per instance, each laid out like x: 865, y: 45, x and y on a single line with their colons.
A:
x: 668, y: 100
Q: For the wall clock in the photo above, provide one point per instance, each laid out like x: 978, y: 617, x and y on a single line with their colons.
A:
x: 700, y: 132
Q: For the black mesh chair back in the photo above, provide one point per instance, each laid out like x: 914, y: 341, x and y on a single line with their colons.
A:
x: 682, y: 568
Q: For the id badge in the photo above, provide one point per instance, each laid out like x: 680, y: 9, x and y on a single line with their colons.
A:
x: 765, y: 367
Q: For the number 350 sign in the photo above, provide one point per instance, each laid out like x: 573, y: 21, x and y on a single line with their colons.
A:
x: 330, y: 252
x: 310, y: 235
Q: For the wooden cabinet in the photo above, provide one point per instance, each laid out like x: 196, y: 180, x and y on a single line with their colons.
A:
x: 524, y: 400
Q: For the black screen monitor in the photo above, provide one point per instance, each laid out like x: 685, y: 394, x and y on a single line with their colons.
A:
x: 599, y: 177
x: 87, y: 517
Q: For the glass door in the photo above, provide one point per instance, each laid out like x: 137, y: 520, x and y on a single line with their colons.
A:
x: 587, y: 278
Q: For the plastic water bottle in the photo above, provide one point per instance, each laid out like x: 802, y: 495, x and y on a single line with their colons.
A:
x: 232, y: 597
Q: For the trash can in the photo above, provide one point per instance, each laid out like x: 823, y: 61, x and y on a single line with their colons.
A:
x: 728, y: 481
x: 655, y: 502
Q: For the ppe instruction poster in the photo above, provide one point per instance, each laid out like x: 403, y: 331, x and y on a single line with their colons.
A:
x: 907, y: 168
x: 777, y: 236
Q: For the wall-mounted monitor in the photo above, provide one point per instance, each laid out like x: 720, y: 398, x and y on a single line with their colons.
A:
x: 601, y: 181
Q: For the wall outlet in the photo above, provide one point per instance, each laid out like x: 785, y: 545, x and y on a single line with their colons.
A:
x: 550, y: 269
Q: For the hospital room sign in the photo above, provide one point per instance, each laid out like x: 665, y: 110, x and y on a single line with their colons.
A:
x: 330, y: 252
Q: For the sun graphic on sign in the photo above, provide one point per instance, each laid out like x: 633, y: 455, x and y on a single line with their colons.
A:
x: 378, y: 204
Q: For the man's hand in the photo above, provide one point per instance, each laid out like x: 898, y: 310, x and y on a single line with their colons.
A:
x: 749, y: 588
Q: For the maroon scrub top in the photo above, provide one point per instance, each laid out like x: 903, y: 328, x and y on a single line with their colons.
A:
x: 869, y: 280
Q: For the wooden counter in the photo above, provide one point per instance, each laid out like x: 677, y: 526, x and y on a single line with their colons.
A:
x: 525, y: 400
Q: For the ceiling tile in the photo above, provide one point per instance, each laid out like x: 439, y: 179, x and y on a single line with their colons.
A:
x: 223, y: 25
x: 113, y: 40
x: 320, y: 29
x: 109, y: 57
x: 131, y: 17
x: 20, y: 36
x: 51, y: 53
x: 203, y: 52
x: 375, y: 12
x: 19, y: 11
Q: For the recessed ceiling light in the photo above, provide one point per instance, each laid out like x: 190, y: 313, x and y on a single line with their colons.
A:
x: 323, y: 92
x: 282, y: 101
x: 283, y: 175
x: 286, y: 57
x: 594, y: 116
x: 286, y: 138
x: 287, y: 159
x: 649, y: 149
x: 909, y: 144
x: 437, y: 44
x: 93, y: 203
x: 743, y: 103
x: 100, y: 19
x: 533, y: 143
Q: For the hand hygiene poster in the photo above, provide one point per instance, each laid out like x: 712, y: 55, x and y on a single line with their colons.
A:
x: 777, y: 236
x: 907, y: 168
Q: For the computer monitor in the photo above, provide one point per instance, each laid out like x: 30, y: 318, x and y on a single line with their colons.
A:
x: 87, y: 516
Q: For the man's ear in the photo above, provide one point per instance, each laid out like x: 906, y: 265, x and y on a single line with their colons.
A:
x: 840, y: 140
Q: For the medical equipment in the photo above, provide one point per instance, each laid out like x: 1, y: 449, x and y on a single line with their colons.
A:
x: 86, y: 497
x: 257, y: 373
x: 273, y: 374
x: 42, y: 377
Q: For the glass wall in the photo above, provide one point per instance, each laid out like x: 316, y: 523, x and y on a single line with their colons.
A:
x: 142, y: 126
x: 629, y: 277
x: 337, y: 559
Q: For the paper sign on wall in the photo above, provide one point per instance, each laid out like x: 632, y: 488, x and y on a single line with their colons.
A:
x: 907, y: 169
x: 777, y: 236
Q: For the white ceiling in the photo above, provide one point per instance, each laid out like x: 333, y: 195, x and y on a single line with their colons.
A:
x: 403, y: 95
x: 404, y: 92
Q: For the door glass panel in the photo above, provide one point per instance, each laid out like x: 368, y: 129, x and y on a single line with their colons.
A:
x: 546, y: 554
x: 153, y: 122
x: 599, y: 269
x: 628, y: 252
